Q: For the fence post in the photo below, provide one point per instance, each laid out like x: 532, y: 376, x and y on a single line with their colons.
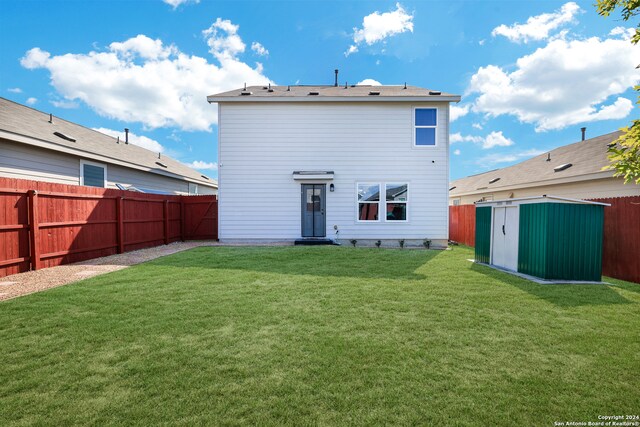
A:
x: 166, y: 222
x: 120, y: 224
x: 34, y: 236
x: 182, y: 219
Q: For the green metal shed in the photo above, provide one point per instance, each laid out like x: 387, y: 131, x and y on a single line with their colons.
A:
x: 552, y: 238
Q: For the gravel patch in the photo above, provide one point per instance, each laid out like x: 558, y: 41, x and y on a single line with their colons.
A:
x: 29, y: 282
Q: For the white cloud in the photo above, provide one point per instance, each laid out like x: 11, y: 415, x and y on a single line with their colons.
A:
x: 456, y: 152
x: 223, y: 40
x: 458, y: 137
x: 259, y: 49
x: 31, y: 101
x: 199, y: 164
x: 139, y: 140
x: 369, y: 82
x: 65, y: 104
x: 378, y: 26
x: 561, y: 84
x: 494, y: 139
x: 477, y: 126
x: 538, y: 27
x: 176, y: 3
x: 144, y: 80
x: 14, y: 90
x: 495, y: 158
x: 455, y: 111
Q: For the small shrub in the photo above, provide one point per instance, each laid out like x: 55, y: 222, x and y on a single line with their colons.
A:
x: 353, y: 242
x: 401, y: 242
x: 378, y: 243
x: 426, y: 243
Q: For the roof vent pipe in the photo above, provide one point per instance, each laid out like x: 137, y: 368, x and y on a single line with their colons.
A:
x: 118, y: 139
x: 584, y: 132
x: 548, y: 157
x: 336, y: 82
x: 126, y: 135
x: 50, y: 118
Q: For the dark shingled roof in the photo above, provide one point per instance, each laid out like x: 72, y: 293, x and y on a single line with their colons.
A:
x: 328, y: 93
x: 586, y: 157
x: 25, y: 121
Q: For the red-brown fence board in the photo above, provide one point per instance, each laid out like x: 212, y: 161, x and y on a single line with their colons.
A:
x: 462, y: 224
x: 75, y: 223
x: 621, y: 243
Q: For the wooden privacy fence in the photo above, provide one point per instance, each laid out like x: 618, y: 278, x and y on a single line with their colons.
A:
x: 462, y: 224
x: 44, y: 224
x: 621, y: 243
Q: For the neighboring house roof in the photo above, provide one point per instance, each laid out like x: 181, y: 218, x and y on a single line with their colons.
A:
x: 26, y: 125
x: 587, y: 158
x: 353, y: 93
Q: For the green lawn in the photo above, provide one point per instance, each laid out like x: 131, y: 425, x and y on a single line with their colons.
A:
x: 319, y: 336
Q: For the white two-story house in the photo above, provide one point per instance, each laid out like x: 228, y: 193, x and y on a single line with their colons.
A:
x: 334, y: 163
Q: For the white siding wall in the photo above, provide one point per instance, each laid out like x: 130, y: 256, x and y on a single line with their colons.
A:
x: 262, y: 144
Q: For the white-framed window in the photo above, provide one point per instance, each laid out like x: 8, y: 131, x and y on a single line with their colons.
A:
x: 396, y: 200
x: 93, y: 174
x: 368, y: 199
x: 456, y: 202
x: 425, y: 132
x: 193, y: 188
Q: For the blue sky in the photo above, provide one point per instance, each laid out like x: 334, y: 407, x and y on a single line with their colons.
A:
x: 530, y: 73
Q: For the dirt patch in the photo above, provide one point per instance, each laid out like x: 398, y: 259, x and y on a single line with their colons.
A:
x: 35, y: 281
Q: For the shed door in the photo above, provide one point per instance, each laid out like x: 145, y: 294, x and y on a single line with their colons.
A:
x: 313, y: 205
x: 504, y: 242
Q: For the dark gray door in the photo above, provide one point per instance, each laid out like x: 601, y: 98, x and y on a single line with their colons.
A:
x: 313, y: 218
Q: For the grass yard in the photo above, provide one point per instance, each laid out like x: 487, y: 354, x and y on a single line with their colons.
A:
x: 319, y: 336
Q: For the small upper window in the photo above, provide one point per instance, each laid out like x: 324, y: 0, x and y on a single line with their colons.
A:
x: 93, y: 174
x: 193, y: 188
x: 425, y: 127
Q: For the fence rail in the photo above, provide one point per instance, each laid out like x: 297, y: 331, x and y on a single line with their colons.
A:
x: 45, y: 224
x: 621, y: 243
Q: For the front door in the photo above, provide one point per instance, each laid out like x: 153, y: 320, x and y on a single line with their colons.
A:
x: 313, y: 218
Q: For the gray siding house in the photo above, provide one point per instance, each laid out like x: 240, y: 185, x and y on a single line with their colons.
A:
x: 304, y: 163
x: 37, y: 146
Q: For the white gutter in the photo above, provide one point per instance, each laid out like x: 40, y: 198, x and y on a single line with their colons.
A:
x: 308, y: 98
x: 544, y: 196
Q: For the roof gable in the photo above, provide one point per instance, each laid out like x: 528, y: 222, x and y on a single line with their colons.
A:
x: 353, y: 93
x: 584, y: 157
x: 62, y: 135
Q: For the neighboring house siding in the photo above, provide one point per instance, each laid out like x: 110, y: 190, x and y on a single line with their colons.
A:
x: 261, y: 144
x: 25, y: 162
x: 591, y: 189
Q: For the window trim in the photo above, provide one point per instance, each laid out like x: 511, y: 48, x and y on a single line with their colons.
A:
x: 379, y: 202
x: 415, y: 127
x: 189, y: 189
x: 386, y: 202
x: 101, y: 165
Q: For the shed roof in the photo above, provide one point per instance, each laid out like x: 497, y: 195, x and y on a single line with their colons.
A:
x: 18, y: 121
x: 585, y: 158
x: 354, y: 93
